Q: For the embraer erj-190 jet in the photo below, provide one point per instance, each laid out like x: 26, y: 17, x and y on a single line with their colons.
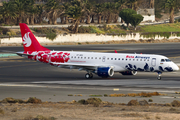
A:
x: 102, y: 64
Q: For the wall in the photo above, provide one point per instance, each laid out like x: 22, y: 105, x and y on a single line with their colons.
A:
x: 149, y: 18
x: 82, y: 38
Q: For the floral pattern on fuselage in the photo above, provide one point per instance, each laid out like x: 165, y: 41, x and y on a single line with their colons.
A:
x: 146, y: 68
x: 49, y: 56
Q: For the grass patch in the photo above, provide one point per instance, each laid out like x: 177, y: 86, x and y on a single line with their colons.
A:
x: 12, y: 100
x: 95, y: 29
x: 39, y: 117
x: 175, y: 103
x: 50, y: 32
x: 95, y: 95
x: 34, y: 100
x: 142, y: 94
x: 1, y: 111
x: 70, y: 95
x: 169, y: 27
x: 79, y: 95
x: 94, y: 101
x: 30, y: 100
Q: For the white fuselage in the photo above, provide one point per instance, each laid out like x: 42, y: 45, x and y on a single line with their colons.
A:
x: 119, y: 61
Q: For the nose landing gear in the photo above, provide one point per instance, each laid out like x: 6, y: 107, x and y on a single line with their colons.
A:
x: 159, y: 75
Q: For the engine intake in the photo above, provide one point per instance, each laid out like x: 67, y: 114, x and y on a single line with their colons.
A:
x: 105, y: 71
x: 129, y: 73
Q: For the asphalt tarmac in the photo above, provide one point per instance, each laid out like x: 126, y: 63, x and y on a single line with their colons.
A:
x: 22, y: 78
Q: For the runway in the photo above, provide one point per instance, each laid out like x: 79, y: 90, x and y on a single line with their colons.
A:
x: 22, y: 78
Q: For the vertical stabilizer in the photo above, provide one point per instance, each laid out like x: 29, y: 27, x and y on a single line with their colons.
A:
x: 30, y: 42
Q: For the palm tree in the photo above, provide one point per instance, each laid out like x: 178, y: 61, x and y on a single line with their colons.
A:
x: 89, y: 10
x: 99, y: 8
x: 109, y: 9
x: 40, y: 12
x: 75, y: 11
x: 64, y: 17
x: 19, y: 9
x: 133, y: 4
x: 53, y: 10
x: 7, y: 11
x: 31, y: 10
x: 116, y: 9
x: 171, y: 5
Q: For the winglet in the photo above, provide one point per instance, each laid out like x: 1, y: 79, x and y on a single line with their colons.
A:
x: 30, y: 42
x: 115, y: 51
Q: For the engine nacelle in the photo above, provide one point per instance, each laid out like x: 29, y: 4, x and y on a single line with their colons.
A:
x: 129, y: 73
x: 105, y: 72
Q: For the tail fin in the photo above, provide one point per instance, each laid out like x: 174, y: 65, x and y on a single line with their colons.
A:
x: 30, y: 43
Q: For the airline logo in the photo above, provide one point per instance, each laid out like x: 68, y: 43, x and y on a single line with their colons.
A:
x: 141, y: 57
x: 129, y: 56
x: 27, y: 40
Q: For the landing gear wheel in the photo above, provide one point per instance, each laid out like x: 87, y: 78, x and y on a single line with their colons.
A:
x: 88, y: 75
x: 159, y: 77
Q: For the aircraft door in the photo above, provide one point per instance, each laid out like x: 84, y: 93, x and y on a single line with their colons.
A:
x: 104, y: 58
x: 153, y: 62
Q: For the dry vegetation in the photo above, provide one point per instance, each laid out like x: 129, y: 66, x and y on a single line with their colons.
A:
x: 142, y: 94
x: 92, y: 108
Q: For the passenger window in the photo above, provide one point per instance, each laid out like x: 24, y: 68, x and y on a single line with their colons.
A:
x: 91, y: 57
x: 119, y: 58
x: 115, y: 59
x: 111, y: 58
x: 123, y: 59
x: 107, y: 58
x: 84, y: 57
x: 81, y: 57
x: 100, y: 58
x: 129, y: 59
x: 95, y: 57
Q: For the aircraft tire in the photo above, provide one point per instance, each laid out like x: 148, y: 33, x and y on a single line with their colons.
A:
x: 88, y: 75
x: 159, y: 77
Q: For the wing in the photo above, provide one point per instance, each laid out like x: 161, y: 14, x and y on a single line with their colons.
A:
x: 79, y: 66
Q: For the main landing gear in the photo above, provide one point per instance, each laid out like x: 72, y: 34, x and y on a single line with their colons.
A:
x: 159, y: 75
x: 88, y: 75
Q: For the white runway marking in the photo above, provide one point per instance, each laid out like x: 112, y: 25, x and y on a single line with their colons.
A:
x: 139, y: 83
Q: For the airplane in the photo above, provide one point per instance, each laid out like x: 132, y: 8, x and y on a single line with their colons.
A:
x: 102, y: 64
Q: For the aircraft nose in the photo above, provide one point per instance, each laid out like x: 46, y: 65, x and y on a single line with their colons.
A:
x: 175, y: 68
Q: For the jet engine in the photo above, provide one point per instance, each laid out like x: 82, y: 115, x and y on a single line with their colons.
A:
x: 129, y: 73
x: 105, y: 72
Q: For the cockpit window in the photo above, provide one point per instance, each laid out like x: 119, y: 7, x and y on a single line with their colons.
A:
x: 165, y: 60
x: 162, y: 60
x: 168, y: 60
